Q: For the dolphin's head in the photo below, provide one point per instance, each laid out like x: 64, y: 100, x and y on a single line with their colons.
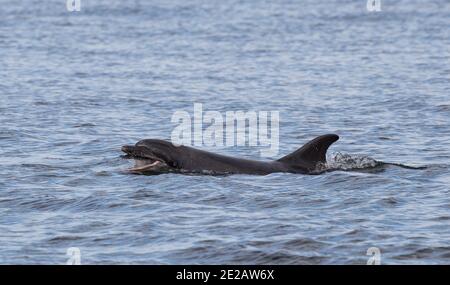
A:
x: 152, y: 156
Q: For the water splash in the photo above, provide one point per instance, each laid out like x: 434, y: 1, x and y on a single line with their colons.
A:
x: 343, y: 161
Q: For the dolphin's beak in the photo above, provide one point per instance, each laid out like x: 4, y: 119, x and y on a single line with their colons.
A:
x: 145, y: 161
x: 138, y: 152
x: 128, y: 149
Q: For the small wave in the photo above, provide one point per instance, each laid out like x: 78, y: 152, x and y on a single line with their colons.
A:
x: 85, y: 125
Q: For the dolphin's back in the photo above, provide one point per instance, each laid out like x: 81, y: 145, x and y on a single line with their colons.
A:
x: 303, y: 160
x: 200, y: 161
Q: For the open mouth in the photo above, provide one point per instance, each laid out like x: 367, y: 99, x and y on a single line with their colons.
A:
x: 145, y: 161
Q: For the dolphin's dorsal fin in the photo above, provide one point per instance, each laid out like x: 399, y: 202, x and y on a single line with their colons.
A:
x: 311, y: 153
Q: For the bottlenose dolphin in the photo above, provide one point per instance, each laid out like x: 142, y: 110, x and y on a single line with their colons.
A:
x: 154, y: 156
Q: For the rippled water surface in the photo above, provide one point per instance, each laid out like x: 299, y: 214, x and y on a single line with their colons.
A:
x: 75, y: 87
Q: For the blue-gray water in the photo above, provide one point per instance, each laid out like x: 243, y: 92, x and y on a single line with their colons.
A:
x: 75, y: 87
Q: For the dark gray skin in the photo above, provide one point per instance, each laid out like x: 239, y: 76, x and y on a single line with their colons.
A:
x: 154, y: 156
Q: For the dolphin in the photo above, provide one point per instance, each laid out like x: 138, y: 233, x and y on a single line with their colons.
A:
x: 153, y: 156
